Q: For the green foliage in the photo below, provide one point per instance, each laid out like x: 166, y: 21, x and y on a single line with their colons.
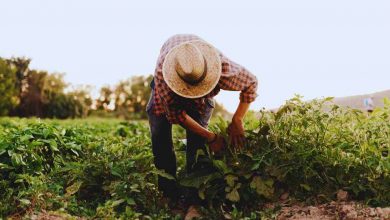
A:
x: 103, y: 169
x: 29, y: 93
x: 100, y: 170
x: 9, y: 93
x: 44, y: 97
x: 127, y: 99
x: 306, y: 151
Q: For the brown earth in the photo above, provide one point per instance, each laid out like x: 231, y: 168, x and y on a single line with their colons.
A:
x: 329, y: 211
x: 334, y: 210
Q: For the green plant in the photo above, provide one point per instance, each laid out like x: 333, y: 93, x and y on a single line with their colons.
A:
x: 97, y: 168
x: 310, y: 150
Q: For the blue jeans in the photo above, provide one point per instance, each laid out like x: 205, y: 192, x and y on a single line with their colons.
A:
x: 162, y: 145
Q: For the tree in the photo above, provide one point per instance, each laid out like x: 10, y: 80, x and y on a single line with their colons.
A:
x: 105, y: 98
x: 131, y: 97
x: 32, y: 98
x: 44, y: 96
x: 21, y: 66
x: 127, y: 99
x: 9, y: 93
x: 83, y: 100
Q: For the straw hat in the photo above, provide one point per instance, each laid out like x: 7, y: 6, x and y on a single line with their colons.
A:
x: 192, y: 69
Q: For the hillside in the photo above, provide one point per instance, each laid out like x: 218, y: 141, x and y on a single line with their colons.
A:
x: 357, y: 101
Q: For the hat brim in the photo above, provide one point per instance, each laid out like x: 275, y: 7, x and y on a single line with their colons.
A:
x: 179, y: 86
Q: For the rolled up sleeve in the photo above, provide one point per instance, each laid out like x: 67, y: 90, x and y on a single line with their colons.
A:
x: 236, y: 78
x: 248, y: 92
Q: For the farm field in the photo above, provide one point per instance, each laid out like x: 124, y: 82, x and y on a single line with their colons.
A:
x: 301, y: 159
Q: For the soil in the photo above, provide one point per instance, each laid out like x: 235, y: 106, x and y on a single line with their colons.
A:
x: 334, y: 210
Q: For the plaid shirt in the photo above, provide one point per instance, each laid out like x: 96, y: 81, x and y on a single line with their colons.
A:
x: 234, y: 78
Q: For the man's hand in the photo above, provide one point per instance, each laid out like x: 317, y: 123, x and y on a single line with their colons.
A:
x: 236, y: 133
x: 236, y: 129
x: 217, y: 143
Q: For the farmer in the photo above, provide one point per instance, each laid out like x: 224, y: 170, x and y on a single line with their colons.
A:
x: 188, y: 74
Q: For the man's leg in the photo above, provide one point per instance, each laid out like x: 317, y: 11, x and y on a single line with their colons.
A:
x: 163, y: 152
x: 194, y: 141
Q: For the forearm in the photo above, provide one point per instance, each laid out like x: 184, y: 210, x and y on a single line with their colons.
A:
x: 242, y: 109
x: 190, y: 124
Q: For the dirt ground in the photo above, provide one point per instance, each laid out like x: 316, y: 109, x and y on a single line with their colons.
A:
x: 334, y: 210
x: 328, y: 211
x: 342, y: 209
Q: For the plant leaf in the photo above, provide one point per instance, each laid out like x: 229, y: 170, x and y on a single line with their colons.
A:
x: 163, y: 174
x: 74, y: 188
x: 263, y: 187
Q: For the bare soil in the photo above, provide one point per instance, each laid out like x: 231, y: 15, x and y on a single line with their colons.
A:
x: 334, y: 210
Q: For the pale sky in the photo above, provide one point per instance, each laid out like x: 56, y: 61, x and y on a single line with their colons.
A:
x: 313, y: 48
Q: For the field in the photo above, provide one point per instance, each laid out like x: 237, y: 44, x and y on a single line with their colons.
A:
x: 103, y: 169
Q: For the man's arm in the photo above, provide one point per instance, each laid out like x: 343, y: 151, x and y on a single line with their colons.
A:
x: 237, y: 78
x: 236, y: 128
x: 191, y: 124
x: 215, y: 141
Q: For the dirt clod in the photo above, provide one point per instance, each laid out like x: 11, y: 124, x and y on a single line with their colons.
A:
x: 342, y: 195
x: 284, y: 196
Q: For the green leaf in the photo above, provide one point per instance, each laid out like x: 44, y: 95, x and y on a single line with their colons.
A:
x: 25, y: 138
x: 53, y: 145
x: 196, y: 181
x: 202, y: 191
x: 24, y: 201
x: 5, y: 167
x: 306, y: 187
x: 116, y: 172
x: 230, y: 180
x: 327, y: 99
x: 74, y: 188
x: 386, y: 101
x: 17, y: 159
x: 233, y: 195
x: 36, y: 143
x: 221, y: 166
x: 75, y: 152
x: 117, y: 202
x: 263, y: 187
x: 163, y: 174
x: 199, y: 153
x: 130, y: 201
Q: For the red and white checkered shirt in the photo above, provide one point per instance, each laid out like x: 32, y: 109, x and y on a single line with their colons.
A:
x: 233, y: 78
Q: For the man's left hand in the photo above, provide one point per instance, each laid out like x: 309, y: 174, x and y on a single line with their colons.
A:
x: 236, y: 133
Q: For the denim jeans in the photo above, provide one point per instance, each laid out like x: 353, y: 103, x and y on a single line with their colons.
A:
x: 162, y: 145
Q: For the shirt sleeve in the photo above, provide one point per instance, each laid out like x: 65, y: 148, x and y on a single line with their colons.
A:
x: 236, y: 78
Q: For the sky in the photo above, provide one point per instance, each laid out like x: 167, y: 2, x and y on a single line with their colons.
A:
x: 312, y: 48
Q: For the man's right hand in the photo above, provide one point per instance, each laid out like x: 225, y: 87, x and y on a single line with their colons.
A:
x: 217, y: 143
